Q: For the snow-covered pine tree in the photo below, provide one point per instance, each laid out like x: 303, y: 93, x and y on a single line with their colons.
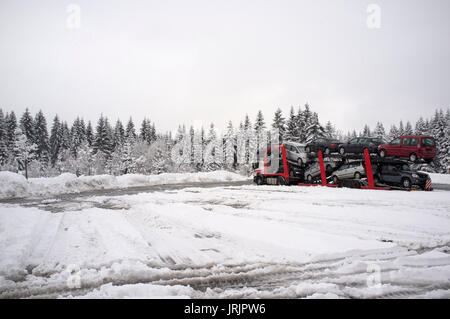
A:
x: 11, y: 125
x: 181, y: 151
x: 366, y: 131
x: 41, y: 138
x: 248, y: 139
x: 66, y: 142
x: 229, y: 147
x: 420, y: 127
x: 130, y: 130
x: 393, y: 132
x: 77, y: 135
x: 330, y: 130
x: 260, y: 134
x: 85, y: 159
x: 3, y: 139
x: 102, y: 141
x: 439, y: 130
x: 401, y: 129
x: 89, y: 134
x: 379, y: 131
x: 279, y: 124
x: 304, y: 121
x: 213, y: 150
x: 408, y: 129
x: 315, y: 129
x: 55, y: 140
x: 146, y: 131
x: 24, y: 150
x: 192, y: 150
x: 240, y: 145
x: 153, y: 135
x: 291, y: 133
x: 119, y: 134
x: 27, y: 126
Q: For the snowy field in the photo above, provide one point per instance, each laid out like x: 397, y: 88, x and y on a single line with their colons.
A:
x: 230, y: 242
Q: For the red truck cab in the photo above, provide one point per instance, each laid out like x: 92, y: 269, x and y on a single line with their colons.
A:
x: 412, y: 147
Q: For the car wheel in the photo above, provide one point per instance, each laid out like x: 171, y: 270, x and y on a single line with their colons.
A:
x: 309, y: 178
x: 342, y: 151
x: 413, y: 157
x: 335, y: 179
x: 327, y: 151
x: 300, y: 162
x: 383, y: 153
x: 308, y: 149
x: 406, y: 183
x: 357, y: 175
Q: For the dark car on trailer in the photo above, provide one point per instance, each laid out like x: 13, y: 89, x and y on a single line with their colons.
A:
x: 399, y: 173
x: 357, y: 145
x: 326, y: 145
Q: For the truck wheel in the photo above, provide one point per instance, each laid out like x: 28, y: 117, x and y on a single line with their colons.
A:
x: 342, y: 151
x: 335, y: 179
x: 309, y: 178
x: 357, y: 175
x: 383, y: 153
x: 413, y: 157
x: 281, y: 180
x: 406, y: 183
x: 259, y: 181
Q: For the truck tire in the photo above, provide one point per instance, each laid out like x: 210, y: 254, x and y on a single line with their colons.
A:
x: 357, y: 175
x: 259, y: 180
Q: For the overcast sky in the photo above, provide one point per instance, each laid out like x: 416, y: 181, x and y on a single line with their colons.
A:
x: 196, y: 62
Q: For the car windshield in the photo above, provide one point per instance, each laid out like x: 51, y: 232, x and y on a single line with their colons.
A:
x: 428, y: 142
x: 405, y: 167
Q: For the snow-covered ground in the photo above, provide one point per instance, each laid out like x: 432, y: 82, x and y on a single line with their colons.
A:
x: 230, y: 242
x: 13, y: 185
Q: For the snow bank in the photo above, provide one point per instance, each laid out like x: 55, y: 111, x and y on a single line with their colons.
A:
x: 13, y: 185
x: 440, y: 178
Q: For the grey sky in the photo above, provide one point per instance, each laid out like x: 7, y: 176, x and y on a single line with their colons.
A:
x: 194, y: 62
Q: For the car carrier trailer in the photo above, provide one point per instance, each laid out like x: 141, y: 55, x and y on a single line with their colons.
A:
x: 290, y: 173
